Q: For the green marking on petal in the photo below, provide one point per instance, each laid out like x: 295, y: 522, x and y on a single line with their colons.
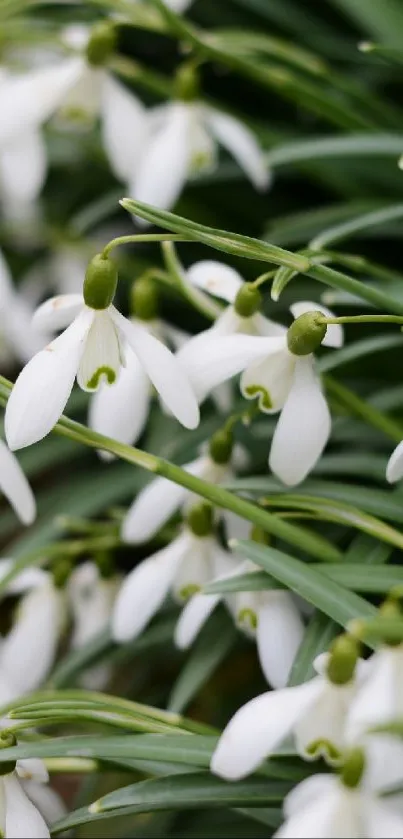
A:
x: 265, y: 401
x: 108, y: 374
x: 323, y: 748
x: 247, y: 618
x: 188, y: 591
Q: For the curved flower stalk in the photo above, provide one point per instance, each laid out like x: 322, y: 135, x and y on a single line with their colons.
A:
x: 269, y: 617
x: 314, y: 712
x: 183, y: 143
x: 15, y: 486
x: 77, y: 88
x: 280, y: 379
x: 93, y: 349
x: 161, y: 499
x: 91, y: 597
x: 181, y: 568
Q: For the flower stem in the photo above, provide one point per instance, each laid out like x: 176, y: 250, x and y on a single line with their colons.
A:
x: 365, y: 319
x: 268, y: 275
x: 364, y: 410
x: 142, y: 237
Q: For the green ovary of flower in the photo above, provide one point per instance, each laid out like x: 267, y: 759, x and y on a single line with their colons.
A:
x: 247, y: 618
x: 188, y: 591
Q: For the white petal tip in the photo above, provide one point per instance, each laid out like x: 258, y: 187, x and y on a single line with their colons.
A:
x: 107, y: 457
x: 233, y: 544
x: 224, y: 768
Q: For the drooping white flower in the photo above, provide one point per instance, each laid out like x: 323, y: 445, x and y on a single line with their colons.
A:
x: 314, y: 712
x: 15, y: 486
x: 161, y: 498
x: 279, y: 379
x: 394, y: 469
x: 183, y: 142
x: 93, y: 349
x: 18, y: 815
x: 181, y: 568
x: 91, y: 599
x: 34, y: 779
x: 323, y: 806
x: 28, y: 651
x: 269, y: 617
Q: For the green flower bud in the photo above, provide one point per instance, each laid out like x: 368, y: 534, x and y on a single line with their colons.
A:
x: 343, y: 658
x: 248, y: 301
x: 7, y: 741
x: 257, y: 534
x: 186, y: 84
x: 144, y: 299
x: 306, y: 334
x: 101, y: 44
x: 100, y: 282
x: 390, y: 610
x: 61, y: 571
x: 200, y: 519
x: 353, y: 768
x: 221, y: 446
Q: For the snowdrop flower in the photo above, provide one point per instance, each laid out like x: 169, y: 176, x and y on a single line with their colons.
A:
x: 15, y: 486
x: 18, y: 814
x: 183, y: 142
x: 380, y: 697
x: 93, y: 349
x: 326, y: 806
x: 282, y: 379
x: 91, y: 597
x: 269, y: 617
x: 28, y: 651
x: 313, y: 712
x: 181, y: 568
x: 19, y: 339
x: 161, y: 498
x: 121, y: 410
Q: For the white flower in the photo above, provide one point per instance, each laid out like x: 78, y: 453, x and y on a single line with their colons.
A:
x: 19, y: 339
x: 18, y: 815
x: 182, y: 567
x: 380, y: 697
x: 91, y: 348
x: 279, y: 379
x: 322, y: 806
x: 91, y: 599
x: 161, y: 498
x: 15, y: 486
x: 28, y: 651
x: 75, y: 88
x: 313, y: 712
x: 270, y: 617
x: 184, y: 137
x: 394, y: 469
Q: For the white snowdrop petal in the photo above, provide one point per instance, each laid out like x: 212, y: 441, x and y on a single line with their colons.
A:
x: 26, y: 579
x: 258, y: 727
x: 394, y: 469
x: 29, y: 99
x: 270, y: 381
x: 144, y: 591
x: 163, y: 370
x: 91, y: 601
x: 18, y: 330
x: 193, y: 616
x: 23, y: 167
x: 279, y: 633
x: 209, y: 363
x: 23, y: 818
x: 377, y: 700
x: 303, y: 428
x: 124, y: 128
x: 332, y: 816
x: 32, y: 768
x: 242, y: 144
x: 381, y: 820
x: 15, y: 486
x: 155, y: 505
x: 165, y: 165
x: 121, y: 410
x: 196, y: 568
x: 57, y: 312
x: 29, y: 649
x: 44, y: 386
x: 50, y: 805
x: 334, y: 334
x: 216, y: 278
x: 102, y: 355
x: 307, y: 792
